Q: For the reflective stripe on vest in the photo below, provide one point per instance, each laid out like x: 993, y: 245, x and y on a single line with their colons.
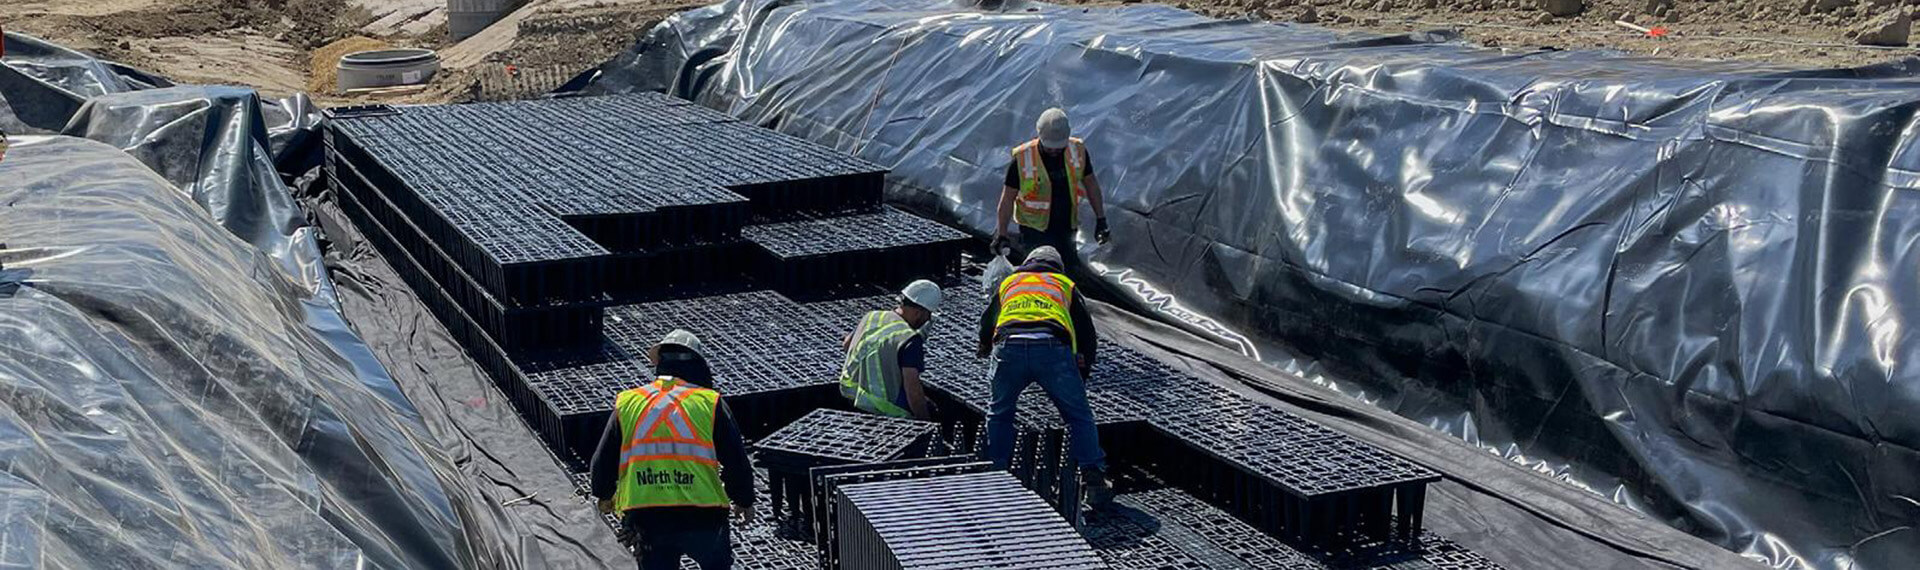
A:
x: 1033, y: 207
x: 1037, y: 297
x: 668, y: 457
x: 871, y: 375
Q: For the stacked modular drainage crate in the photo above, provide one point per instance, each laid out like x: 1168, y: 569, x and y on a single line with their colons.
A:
x: 1285, y: 474
x: 826, y: 438
x: 558, y: 239
x: 530, y: 228
x: 978, y: 520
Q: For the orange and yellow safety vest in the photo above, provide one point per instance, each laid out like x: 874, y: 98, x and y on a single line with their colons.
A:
x: 1033, y: 206
x: 668, y: 459
x: 1034, y: 296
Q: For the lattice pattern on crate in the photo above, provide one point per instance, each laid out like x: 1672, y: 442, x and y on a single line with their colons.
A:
x: 848, y: 437
x: 1165, y: 528
x: 952, y: 520
x: 532, y: 182
x: 886, y: 228
x: 1128, y: 385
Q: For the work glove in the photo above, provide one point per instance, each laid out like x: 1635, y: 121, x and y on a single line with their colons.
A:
x: 1100, y: 232
x: 1000, y: 246
x: 743, y: 514
x: 606, y: 506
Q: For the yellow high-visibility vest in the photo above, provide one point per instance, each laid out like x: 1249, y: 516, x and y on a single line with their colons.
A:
x: 1033, y: 206
x: 668, y: 459
x: 871, y: 375
x: 1037, y: 297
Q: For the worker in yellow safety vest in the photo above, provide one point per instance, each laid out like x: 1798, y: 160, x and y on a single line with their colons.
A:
x: 1045, y: 182
x: 672, y: 461
x: 1038, y: 331
x: 886, y: 353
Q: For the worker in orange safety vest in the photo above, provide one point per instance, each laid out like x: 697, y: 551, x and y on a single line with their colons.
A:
x: 672, y: 462
x: 1045, y: 182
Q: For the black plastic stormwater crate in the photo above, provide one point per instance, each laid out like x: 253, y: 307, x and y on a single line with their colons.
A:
x: 460, y: 325
x: 983, y: 520
x: 575, y: 410
x: 680, y: 272
x: 512, y: 325
x: 885, y: 246
x: 1324, y: 495
x: 824, y: 481
x: 757, y: 341
x: 505, y: 372
x: 507, y: 243
x: 1040, y: 457
x: 1167, y: 529
x: 827, y: 437
x: 615, y: 214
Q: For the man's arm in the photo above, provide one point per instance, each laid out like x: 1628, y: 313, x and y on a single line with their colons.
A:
x: 1086, y: 341
x: 913, y: 359
x: 1009, y: 188
x: 987, y: 320
x: 736, y: 469
x: 605, y: 467
x: 916, y: 395
x: 1006, y: 210
x: 1095, y: 198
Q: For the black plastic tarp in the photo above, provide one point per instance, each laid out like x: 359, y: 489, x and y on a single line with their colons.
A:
x: 181, y: 388
x: 1681, y: 285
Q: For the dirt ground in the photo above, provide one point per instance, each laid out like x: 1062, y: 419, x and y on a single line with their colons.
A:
x: 269, y: 44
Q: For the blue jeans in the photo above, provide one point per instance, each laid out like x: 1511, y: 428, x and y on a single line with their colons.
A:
x: 1018, y: 363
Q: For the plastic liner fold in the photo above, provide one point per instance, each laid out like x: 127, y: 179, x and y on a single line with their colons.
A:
x: 178, y: 367
x: 1684, y: 286
x: 166, y: 384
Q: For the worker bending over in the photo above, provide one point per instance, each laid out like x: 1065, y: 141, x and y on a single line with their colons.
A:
x: 1044, y: 184
x: 672, y: 459
x: 1043, y: 334
x: 886, y: 353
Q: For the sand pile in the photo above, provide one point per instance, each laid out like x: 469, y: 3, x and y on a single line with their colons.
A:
x: 325, y: 72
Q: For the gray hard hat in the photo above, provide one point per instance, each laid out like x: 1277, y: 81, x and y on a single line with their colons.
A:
x: 684, y: 339
x: 1045, y: 255
x: 1052, y: 128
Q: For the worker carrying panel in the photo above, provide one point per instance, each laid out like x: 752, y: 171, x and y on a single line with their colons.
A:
x: 1685, y: 285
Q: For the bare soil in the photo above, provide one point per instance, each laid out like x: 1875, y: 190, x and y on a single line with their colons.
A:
x: 271, y: 44
x: 1794, y: 33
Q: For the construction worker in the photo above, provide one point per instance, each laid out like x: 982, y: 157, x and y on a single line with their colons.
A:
x: 1038, y: 330
x: 886, y: 353
x: 672, y: 459
x: 1045, y: 182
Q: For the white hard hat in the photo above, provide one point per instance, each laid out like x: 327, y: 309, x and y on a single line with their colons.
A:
x: 923, y: 293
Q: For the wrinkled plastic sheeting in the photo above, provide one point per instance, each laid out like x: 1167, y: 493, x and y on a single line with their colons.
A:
x: 1685, y: 285
x: 43, y: 85
x: 172, y: 400
x: 359, y: 470
x: 207, y: 142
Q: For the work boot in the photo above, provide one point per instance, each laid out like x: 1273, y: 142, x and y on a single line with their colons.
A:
x: 1099, y: 491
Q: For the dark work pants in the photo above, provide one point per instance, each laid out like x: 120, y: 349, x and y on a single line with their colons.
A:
x: 1063, y: 241
x: 661, y: 548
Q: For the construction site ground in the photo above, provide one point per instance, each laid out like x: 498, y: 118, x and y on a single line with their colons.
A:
x: 285, y: 46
